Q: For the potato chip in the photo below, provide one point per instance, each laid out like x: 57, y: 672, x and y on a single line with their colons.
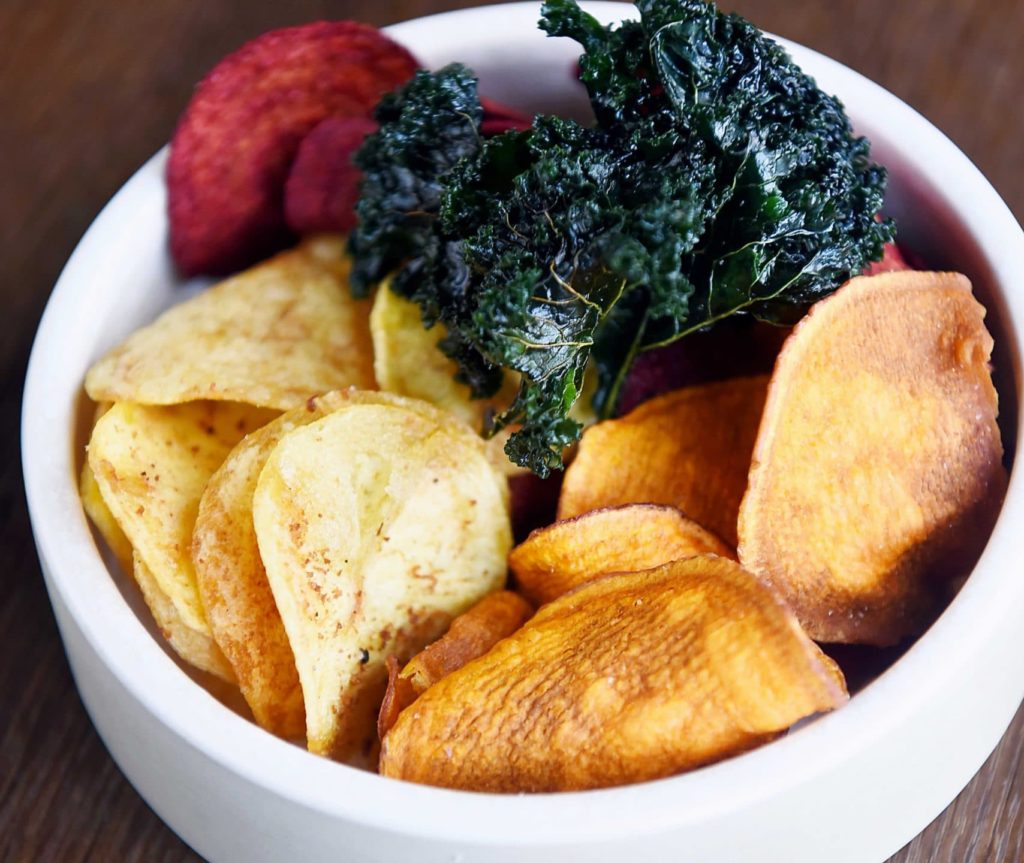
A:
x: 564, y: 555
x: 628, y: 678
x: 377, y: 525
x: 878, y: 463
x: 101, y: 516
x: 407, y: 361
x: 689, y: 449
x: 151, y: 465
x: 471, y: 635
x: 271, y: 336
x: 231, y: 578
x: 195, y: 647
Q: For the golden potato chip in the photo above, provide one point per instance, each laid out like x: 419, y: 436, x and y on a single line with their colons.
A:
x: 195, y: 647
x: 628, y: 678
x: 878, y: 463
x: 377, y: 525
x: 407, y: 361
x: 471, y: 635
x: 101, y: 516
x: 231, y: 578
x: 151, y: 465
x: 99, y: 513
x: 689, y: 448
x: 557, y: 558
x: 271, y: 336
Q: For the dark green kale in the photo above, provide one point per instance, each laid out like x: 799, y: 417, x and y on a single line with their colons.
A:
x: 717, y: 180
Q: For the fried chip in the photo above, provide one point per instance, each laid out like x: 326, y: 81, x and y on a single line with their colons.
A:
x: 564, y: 555
x: 238, y: 136
x: 231, y: 578
x: 470, y: 636
x: 407, y: 361
x: 689, y: 449
x: 878, y: 466
x: 377, y: 525
x: 322, y: 189
x: 628, y: 678
x: 151, y: 465
x: 101, y: 516
x: 271, y: 336
x: 195, y: 647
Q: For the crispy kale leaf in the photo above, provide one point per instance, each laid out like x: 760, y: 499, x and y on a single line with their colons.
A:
x: 717, y: 180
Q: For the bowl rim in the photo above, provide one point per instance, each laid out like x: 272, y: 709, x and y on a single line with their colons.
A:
x: 84, y: 586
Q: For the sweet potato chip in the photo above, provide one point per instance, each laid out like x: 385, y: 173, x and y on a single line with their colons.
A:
x: 151, y: 465
x: 628, y: 678
x: 564, y: 555
x: 689, y: 449
x: 878, y: 465
x: 271, y: 336
x: 195, y: 647
x: 470, y: 636
x: 377, y: 525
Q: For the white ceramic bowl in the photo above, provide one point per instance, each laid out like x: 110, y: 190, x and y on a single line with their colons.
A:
x: 853, y: 786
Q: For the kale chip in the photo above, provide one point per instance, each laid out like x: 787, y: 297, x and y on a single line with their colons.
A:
x: 717, y: 180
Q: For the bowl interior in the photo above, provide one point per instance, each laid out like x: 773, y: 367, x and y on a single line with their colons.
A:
x: 121, y: 277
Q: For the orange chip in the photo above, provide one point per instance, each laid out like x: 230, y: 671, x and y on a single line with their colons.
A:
x: 629, y: 678
x: 689, y: 448
x: 471, y: 635
x: 564, y: 555
x: 878, y: 463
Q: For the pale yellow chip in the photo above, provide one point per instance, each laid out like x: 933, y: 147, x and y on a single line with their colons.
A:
x: 377, y: 525
x: 232, y: 581
x: 195, y: 647
x: 151, y: 465
x: 101, y: 516
x: 271, y: 336
x: 407, y: 361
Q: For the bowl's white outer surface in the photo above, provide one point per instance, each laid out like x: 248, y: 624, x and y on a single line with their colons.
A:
x: 853, y: 786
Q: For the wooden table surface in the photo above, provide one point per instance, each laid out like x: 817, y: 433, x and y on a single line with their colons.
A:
x: 87, y: 94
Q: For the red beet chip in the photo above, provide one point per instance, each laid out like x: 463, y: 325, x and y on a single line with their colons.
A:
x: 533, y: 502
x: 739, y: 346
x: 892, y: 261
x: 500, y: 118
x: 235, y: 142
x: 323, y: 183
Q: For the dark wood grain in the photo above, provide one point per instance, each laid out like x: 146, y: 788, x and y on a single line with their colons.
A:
x: 87, y: 94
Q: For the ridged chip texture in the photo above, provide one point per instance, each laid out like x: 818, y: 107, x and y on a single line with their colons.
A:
x: 689, y: 448
x: 272, y: 336
x: 377, y: 525
x: 471, y: 635
x: 878, y: 467
x: 555, y: 559
x: 628, y: 678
